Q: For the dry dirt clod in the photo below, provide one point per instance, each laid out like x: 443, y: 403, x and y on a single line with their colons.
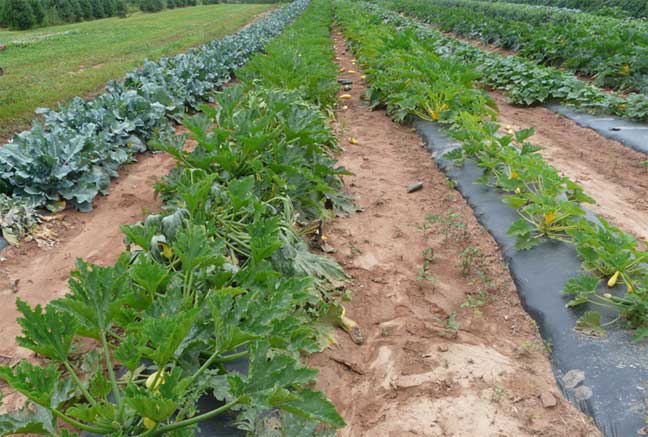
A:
x: 443, y: 348
x: 353, y: 366
x: 415, y: 187
x: 548, y: 399
x: 388, y: 328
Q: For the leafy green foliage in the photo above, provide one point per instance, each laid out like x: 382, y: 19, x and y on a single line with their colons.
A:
x: 222, y: 274
x: 610, y: 50
x: 524, y: 81
x: 72, y: 156
x: 612, y: 8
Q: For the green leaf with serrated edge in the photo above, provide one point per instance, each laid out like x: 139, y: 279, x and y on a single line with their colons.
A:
x: 157, y: 409
x: 280, y: 370
x: 129, y: 351
x: 30, y: 419
x: 194, y: 248
x: 583, y: 287
x: 293, y: 425
x: 523, y: 134
x: 99, y: 385
x: 515, y: 202
x: 149, y: 274
x: 35, y: 382
x: 264, y: 238
x: 314, y: 406
x: 228, y: 329
x: 103, y: 413
x: 590, y: 324
x: 640, y: 334
x: 164, y: 335
x: 525, y: 242
x: 98, y: 293
x: 48, y: 333
x: 520, y: 227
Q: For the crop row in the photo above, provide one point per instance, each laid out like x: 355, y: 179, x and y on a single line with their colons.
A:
x: 224, y: 274
x: 613, y: 52
x: 69, y: 160
x: 524, y: 82
x: 409, y: 78
x: 611, y: 8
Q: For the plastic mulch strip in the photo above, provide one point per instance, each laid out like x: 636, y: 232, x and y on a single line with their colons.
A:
x: 606, y: 377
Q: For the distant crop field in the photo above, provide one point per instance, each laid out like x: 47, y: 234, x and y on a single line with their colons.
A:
x: 50, y: 65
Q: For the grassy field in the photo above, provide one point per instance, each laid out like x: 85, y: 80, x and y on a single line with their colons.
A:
x: 50, y: 65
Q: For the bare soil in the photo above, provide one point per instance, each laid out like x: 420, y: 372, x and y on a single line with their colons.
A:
x: 611, y: 173
x: 418, y: 372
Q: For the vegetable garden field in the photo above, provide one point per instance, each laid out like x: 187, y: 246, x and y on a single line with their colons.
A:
x: 45, y: 67
x: 327, y: 217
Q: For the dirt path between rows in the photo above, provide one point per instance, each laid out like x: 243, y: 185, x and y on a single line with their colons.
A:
x: 611, y: 173
x: 448, y: 350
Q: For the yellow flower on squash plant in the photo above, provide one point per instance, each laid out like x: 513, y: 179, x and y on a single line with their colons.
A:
x: 625, y: 70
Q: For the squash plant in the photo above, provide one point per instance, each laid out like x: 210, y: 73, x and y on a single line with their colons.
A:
x: 144, y: 320
x: 524, y: 81
x: 222, y: 274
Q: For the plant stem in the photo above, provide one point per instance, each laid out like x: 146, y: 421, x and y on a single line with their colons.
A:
x: 192, y: 421
x: 111, y: 372
x: 204, y: 367
x: 76, y: 379
x: 232, y: 357
x: 80, y: 425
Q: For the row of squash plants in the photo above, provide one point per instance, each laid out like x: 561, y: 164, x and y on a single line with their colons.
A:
x: 611, y: 51
x: 524, y: 82
x: 610, y: 8
x: 408, y: 78
x: 224, y: 274
x: 67, y: 160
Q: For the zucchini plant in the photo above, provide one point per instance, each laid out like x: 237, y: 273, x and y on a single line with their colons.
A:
x: 223, y: 273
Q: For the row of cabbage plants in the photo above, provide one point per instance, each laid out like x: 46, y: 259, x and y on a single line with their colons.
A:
x: 409, y: 78
x: 69, y: 159
x: 224, y: 274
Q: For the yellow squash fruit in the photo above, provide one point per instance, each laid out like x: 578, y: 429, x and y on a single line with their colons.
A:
x: 613, y: 279
x: 353, y: 141
x: 167, y: 252
x: 153, y: 382
x: 149, y: 423
x: 351, y: 327
x: 345, y: 96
